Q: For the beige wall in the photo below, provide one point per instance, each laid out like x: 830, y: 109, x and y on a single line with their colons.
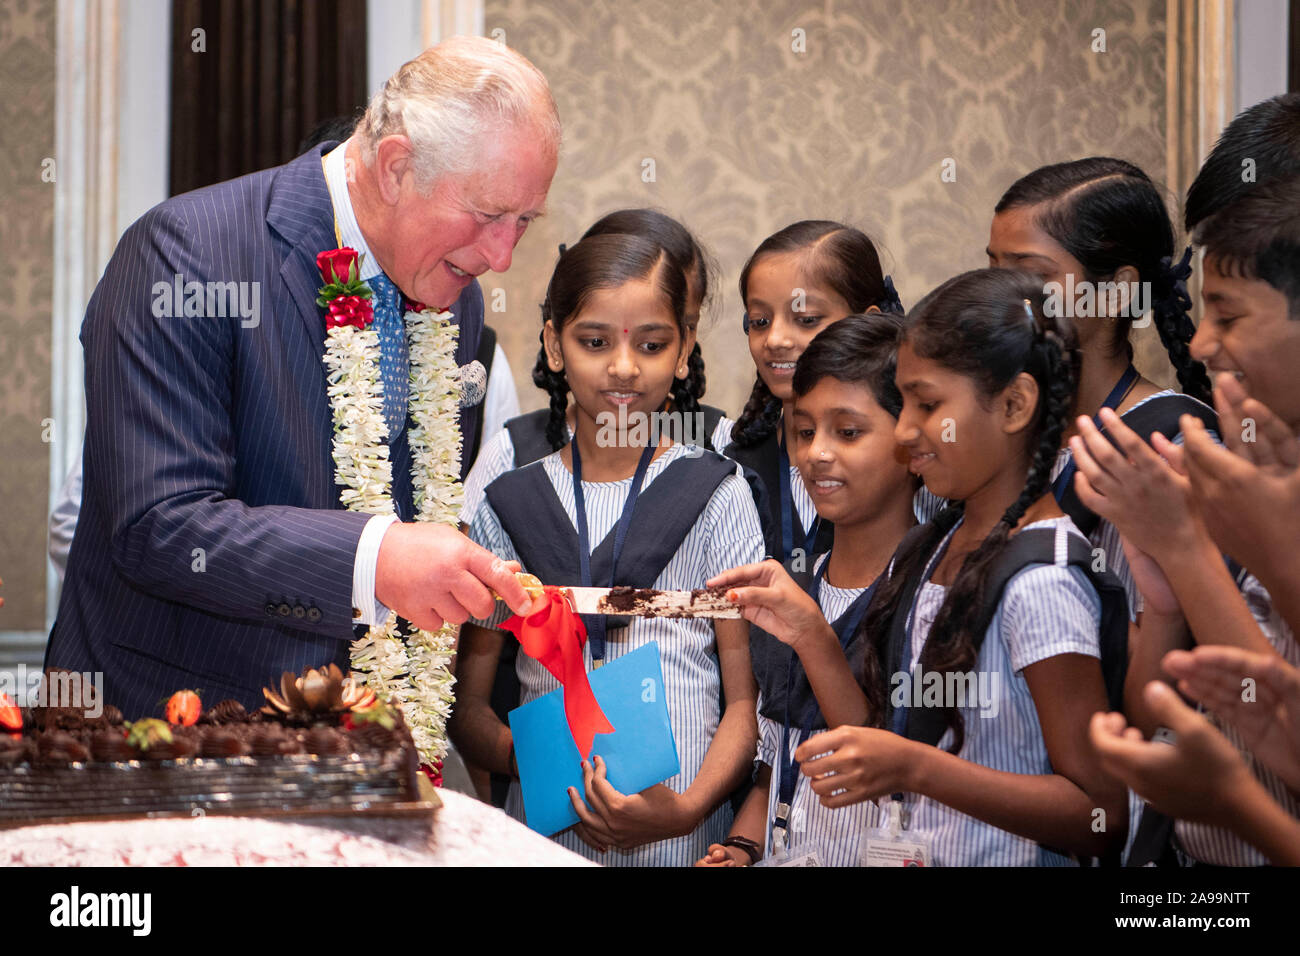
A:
x: 27, y: 244
x: 748, y: 135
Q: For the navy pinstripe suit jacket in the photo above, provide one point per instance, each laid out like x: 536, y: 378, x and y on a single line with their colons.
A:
x: 203, y: 433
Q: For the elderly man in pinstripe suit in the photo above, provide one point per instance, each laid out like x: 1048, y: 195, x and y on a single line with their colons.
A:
x: 212, y: 550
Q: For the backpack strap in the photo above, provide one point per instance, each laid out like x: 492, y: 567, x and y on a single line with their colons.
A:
x: 711, y: 418
x: 1039, y: 546
x: 762, y: 464
x: 1156, y: 415
x: 528, y: 436
x: 1035, y: 546
x: 896, y: 640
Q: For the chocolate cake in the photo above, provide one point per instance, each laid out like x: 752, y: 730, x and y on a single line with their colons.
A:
x: 320, y: 745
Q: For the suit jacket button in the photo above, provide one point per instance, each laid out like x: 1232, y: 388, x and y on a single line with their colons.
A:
x: 299, y: 611
x: 270, y: 610
x: 314, y: 615
x: 284, y: 610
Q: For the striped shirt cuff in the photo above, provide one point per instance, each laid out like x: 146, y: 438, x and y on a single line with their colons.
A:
x: 366, y: 608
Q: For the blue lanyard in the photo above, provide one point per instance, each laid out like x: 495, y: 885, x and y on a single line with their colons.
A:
x: 788, y: 516
x: 596, y: 633
x: 789, y: 767
x: 898, y: 723
x: 1062, y: 482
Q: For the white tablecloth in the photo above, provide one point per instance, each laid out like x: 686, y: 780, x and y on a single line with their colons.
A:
x: 463, y: 832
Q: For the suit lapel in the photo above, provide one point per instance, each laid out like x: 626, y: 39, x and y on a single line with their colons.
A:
x: 301, y: 213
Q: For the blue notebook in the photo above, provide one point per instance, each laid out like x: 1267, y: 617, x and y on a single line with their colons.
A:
x: 640, y: 753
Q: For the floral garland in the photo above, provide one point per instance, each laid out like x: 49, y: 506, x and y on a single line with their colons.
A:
x: 410, y: 670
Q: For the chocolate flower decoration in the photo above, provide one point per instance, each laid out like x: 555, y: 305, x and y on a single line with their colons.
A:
x: 317, y: 693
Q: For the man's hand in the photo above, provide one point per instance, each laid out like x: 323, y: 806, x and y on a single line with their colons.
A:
x: 432, y: 574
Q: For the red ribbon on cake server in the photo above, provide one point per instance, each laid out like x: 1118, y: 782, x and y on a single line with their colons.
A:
x: 554, y: 637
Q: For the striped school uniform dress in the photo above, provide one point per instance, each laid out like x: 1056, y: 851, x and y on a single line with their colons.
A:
x: 726, y: 534
x: 497, y: 456
x: 837, y: 834
x: 1215, y: 845
x: 1045, y: 610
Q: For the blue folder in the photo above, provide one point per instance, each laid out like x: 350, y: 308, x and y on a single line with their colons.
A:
x: 640, y: 753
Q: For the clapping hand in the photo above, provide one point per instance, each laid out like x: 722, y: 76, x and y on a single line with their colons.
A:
x: 1258, y: 694
x: 1247, y: 491
x: 1137, y: 490
x: 1199, y: 777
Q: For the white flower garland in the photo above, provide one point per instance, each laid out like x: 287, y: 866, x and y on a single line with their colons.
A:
x: 412, y: 672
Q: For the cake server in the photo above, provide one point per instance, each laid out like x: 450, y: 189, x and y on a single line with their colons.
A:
x: 648, y: 602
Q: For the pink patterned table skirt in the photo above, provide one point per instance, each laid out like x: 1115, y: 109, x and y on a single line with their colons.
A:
x: 464, y: 832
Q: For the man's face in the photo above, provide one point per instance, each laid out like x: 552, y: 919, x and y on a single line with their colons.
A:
x: 1247, y: 330
x: 468, y: 224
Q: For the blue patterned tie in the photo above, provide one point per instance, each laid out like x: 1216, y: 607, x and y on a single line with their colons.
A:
x: 394, y: 362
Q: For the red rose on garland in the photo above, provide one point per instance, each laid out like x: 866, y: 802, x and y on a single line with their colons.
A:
x: 349, y: 310
x: 338, y: 265
x: 433, y: 773
x: 345, y: 297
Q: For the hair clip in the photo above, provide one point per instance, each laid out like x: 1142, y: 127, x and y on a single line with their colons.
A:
x: 563, y: 247
x: 1029, y: 311
x: 744, y: 322
x: 890, y: 302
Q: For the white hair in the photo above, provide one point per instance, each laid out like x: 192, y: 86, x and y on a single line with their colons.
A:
x: 452, y: 94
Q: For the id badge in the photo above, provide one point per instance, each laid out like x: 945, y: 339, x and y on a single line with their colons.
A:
x: 892, y: 845
x: 904, y: 850
x: 801, y: 854
x: 787, y: 852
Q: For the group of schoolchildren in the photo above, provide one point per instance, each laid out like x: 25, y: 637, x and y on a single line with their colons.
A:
x: 1005, y: 600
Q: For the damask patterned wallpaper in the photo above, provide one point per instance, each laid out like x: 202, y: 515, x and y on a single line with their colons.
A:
x: 754, y: 114
x: 27, y: 238
x: 752, y: 124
